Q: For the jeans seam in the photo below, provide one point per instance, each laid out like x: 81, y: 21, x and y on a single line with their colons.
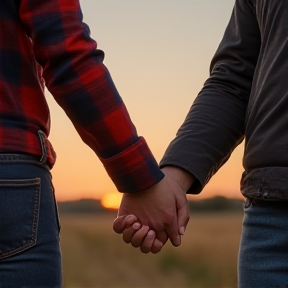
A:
x: 19, y: 182
x: 36, y: 213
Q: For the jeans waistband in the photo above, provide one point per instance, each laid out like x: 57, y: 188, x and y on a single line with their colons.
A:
x: 22, y: 157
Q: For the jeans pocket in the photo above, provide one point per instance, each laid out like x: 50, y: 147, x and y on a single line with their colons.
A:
x: 19, y: 215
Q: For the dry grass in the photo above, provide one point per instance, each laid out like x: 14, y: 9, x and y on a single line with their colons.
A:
x: 95, y: 257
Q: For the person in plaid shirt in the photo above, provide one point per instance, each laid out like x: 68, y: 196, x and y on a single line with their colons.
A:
x: 46, y: 44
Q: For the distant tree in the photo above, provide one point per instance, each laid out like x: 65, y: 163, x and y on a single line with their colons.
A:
x: 81, y: 206
x: 215, y: 204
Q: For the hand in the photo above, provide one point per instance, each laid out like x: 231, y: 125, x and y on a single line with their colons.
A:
x: 139, y: 235
x: 163, y: 208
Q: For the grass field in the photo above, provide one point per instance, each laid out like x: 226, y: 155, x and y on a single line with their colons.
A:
x: 96, y: 257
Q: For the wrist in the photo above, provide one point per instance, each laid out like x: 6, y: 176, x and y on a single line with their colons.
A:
x: 182, y: 177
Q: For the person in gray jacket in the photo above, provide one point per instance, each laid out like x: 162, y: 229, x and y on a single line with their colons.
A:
x: 245, y: 97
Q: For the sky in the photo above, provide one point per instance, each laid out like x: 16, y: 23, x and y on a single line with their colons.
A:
x: 158, y: 53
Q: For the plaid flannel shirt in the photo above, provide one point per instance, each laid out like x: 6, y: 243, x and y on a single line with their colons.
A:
x: 47, y: 41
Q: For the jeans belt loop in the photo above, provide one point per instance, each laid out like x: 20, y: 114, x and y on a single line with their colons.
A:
x: 42, y: 138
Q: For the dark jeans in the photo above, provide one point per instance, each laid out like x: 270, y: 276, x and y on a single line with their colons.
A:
x: 29, y: 227
x: 263, y: 258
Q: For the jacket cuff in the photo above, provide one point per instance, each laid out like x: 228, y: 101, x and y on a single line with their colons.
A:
x: 134, y: 169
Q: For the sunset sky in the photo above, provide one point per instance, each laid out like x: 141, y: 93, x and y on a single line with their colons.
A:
x: 158, y: 53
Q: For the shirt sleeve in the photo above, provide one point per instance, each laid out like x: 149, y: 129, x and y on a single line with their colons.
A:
x: 215, y: 123
x: 75, y: 75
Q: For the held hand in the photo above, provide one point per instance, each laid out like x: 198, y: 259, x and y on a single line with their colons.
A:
x: 163, y: 208
x: 138, y: 235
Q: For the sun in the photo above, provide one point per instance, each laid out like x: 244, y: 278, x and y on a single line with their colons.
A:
x: 111, y: 200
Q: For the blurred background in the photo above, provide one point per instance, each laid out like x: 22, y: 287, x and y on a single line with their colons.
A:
x: 158, y: 53
x: 96, y: 257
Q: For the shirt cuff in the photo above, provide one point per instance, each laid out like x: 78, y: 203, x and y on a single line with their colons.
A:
x: 134, y: 169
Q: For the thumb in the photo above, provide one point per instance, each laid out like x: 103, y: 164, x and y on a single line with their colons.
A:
x: 122, y: 222
x: 183, y: 215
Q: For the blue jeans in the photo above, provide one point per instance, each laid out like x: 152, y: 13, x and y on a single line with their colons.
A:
x: 29, y: 225
x: 263, y: 256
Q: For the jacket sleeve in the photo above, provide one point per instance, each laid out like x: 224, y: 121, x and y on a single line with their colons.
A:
x: 75, y: 75
x: 214, y: 125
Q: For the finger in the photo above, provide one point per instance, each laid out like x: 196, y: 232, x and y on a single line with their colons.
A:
x: 148, y: 241
x: 139, y: 236
x: 129, y: 232
x: 183, y: 217
x: 181, y: 221
x: 129, y: 220
x: 157, y: 246
x: 162, y: 237
x: 122, y: 222
x: 172, y: 231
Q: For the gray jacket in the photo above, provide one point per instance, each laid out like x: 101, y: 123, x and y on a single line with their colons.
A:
x: 245, y: 97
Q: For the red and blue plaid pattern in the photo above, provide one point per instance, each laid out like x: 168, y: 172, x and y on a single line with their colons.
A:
x: 47, y: 41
